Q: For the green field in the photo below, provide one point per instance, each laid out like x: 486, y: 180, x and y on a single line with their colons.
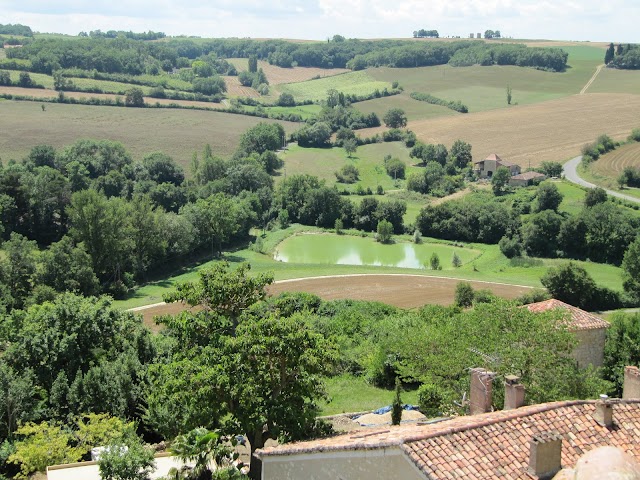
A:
x: 414, y: 109
x: 490, y: 266
x: 176, y: 132
x: 616, y: 81
x: 484, y: 88
x: 305, y: 111
x: 324, y: 162
x: 355, y: 83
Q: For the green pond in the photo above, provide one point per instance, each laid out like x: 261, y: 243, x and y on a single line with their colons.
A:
x: 349, y: 250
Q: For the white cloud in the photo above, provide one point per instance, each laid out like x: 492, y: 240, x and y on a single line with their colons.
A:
x: 319, y: 19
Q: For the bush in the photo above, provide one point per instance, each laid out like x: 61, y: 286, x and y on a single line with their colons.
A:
x: 510, y: 247
x: 431, y: 399
x: 396, y: 406
x: 384, y: 231
x: 434, y: 262
x: 635, y: 135
x: 464, y: 295
x: 348, y: 174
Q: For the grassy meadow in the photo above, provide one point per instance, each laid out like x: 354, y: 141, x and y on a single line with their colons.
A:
x: 484, y: 88
x: 324, y: 162
x: 355, y: 83
x: 176, y: 132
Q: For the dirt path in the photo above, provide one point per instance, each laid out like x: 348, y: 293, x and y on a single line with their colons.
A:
x: 584, y: 89
x: 400, y: 290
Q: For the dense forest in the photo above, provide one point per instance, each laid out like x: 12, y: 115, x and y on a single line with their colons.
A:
x: 127, y: 55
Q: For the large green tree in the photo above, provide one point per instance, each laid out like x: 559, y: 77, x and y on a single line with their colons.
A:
x: 395, y: 118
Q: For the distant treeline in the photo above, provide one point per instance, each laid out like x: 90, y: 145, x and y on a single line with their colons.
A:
x: 134, y: 57
x: 150, y: 35
x: 16, y: 29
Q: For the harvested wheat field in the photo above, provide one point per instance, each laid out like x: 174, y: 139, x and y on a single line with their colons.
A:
x: 612, y: 164
x: 405, y: 291
x: 530, y: 134
x: 278, y: 75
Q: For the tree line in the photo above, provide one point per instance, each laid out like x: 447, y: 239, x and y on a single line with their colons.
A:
x: 135, y: 57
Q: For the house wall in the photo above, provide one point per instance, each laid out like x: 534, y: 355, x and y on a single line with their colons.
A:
x: 590, y: 347
x: 379, y: 464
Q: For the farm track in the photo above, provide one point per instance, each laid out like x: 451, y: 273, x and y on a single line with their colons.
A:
x: 530, y: 134
x: 400, y: 290
x: 591, y: 80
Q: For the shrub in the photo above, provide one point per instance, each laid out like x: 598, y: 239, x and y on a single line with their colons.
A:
x: 635, y: 135
x: 396, y: 406
x: 434, y: 262
x: 348, y: 174
x: 464, y: 295
x: 384, y: 231
x: 455, y: 260
x: 510, y: 247
x: 431, y: 399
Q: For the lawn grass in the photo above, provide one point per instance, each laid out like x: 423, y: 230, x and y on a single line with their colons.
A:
x: 572, y: 197
x: 177, y: 132
x: 355, y: 83
x: 349, y: 394
x: 605, y: 181
x: 369, y: 159
x: 490, y: 266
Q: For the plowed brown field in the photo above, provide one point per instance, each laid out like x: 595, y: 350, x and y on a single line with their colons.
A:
x: 530, y: 134
x: 405, y: 291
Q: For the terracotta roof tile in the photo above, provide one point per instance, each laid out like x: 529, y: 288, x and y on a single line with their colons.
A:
x: 580, y: 320
x: 528, y: 176
x: 493, y: 445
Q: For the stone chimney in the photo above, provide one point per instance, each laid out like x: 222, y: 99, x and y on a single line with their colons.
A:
x: 545, y: 455
x: 480, y: 395
x: 631, y: 386
x: 513, y: 392
x: 604, y: 412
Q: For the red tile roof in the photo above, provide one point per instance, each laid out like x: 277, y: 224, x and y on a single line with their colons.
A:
x: 500, y: 162
x: 580, y: 320
x: 493, y: 445
x: 528, y: 176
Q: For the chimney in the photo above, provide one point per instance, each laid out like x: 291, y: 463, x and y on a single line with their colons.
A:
x: 513, y: 392
x: 604, y: 412
x: 545, y: 455
x: 631, y: 386
x: 480, y: 397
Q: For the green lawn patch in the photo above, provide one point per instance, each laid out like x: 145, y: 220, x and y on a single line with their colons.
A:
x: 348, y: 394
x: 354, y: 83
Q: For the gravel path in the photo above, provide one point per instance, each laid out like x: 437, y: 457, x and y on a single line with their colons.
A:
x: 569, y: 170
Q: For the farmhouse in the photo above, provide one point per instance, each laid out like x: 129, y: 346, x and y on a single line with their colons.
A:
x: 525, y: 179
x: 487, y: 167
x: 526, y: 442
x: 589, y: 329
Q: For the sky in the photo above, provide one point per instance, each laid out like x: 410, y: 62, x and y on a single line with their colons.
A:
x: 585, y: 20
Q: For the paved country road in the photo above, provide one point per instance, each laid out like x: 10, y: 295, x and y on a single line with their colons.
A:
x: 569, y: 171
